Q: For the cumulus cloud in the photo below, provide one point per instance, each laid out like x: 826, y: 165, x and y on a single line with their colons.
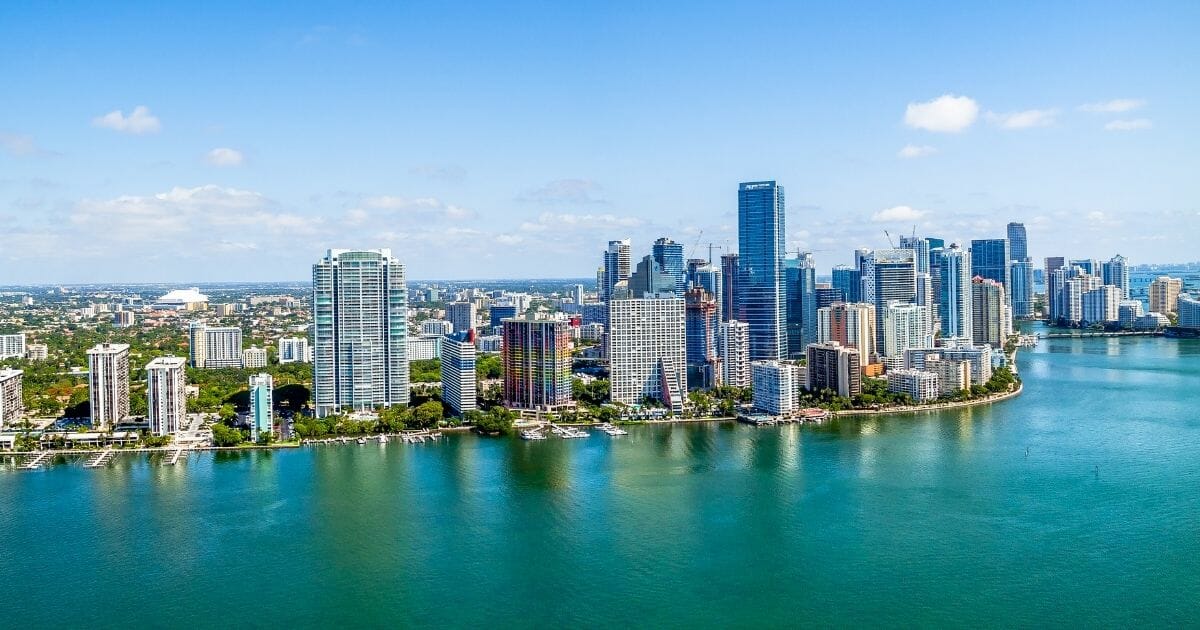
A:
x: 571, y: 191
x: 224, y: 156
x: 898, y: 213
x: 915, y: 151
x: 18, y: 145
x: 139, y: 121
x: 1134, y: 124
x: 1024, y: 119
x: 945, y: 114
x: 1114, y: 106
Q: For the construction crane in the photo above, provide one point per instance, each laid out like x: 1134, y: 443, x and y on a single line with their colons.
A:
x: 889, y: 238
x: 692, y: 253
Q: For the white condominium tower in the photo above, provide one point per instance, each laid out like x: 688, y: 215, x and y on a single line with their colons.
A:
x: 12, y: 345
x: 647, y: 345
x: 214, y: 346
x: 360, y: 316
x: 12, y: 404
x: 733, y: 347
x: 293, y: 350
x: 166, y: 395
x: 108, y: 384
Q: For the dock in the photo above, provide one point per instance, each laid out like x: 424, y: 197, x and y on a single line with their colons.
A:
x: 37, y: 461
x: 100, y: 459
x: 175, y: 457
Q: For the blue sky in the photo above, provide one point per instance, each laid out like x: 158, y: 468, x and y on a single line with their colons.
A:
x: 515, y: 139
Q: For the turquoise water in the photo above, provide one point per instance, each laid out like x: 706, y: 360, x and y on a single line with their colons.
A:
x: 1077, y: 503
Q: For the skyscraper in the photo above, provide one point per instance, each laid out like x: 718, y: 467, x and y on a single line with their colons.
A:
x: 852, y: 325
x: 108, y: 384
x: 293, y: 350
x: 729, y: 275
x: 702, y: 321
x: 889, y: 275
x: 618, y: 259
x: 12, y: 402
x: 905, y: 326
x: 1022, y: 287
x: 647, y: 349
x: 1116, y: 273
x: 849, y: 280
x: 649, y: 278
x: 954, y: 296
x: 213, y: 347
x: 990, y: 259
x: 1018, y: 243
x: 262, y: 400
x: 1164, y: 294
x: 12, y: 345
x: 920, y: 247
x: 461, y: 316
x: 733, y: 346
x: 669, y: 256
x: 991, y: 321
x: 800, y: 275
x: 166, y: 395
x: 536, y: 354
x: 761, y: 300
x: 833, y: 367
x: 360, y: 326
x: 707, y: 276
x: 458, y: 372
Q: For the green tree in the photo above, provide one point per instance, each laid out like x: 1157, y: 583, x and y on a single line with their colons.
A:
x: 427, y: 414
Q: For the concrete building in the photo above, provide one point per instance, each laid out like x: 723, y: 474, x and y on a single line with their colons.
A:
x: 458, y: 372
x: 1116, y: 273
x: 733, y: 346
x: 536, y: 354
x: 703, y: 367
x: 225, y: 310
x: 919, y: 385
x: 12, y: 402
x: 424, y: 348
x: 211, y: 347
x: 647, y: 344
x: 439, y: 327
x: 166, y: 395
x: 490, y: 343
x: 852, y: 325
x: 108, y: 384
x: 12, y: 346
x: 294, y: 350
x: 262, y: 405
x: 954, y: 292
x: 1100, y: 305
x: 37, y: 351
x: 1151, y: 321
x: 254, y: 358
x: 182, y: 300
x: 906, y: 326
x: 834, y: 367
x: 979, y: 357
x: 461, y: 316
x: 1128, y: 312
x: 991, y: 320
x: 617, y: 267
x: 889, y: 275
x: 1164, y: 294
x: 729, y: 273
x: 953, y: 375
x: 360, y: 331
x: 1189, y: 312
x: 776, y: 386
x: 123, y: 319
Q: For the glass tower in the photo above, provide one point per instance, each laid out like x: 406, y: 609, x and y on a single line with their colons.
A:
x: 669, y: 256
x: 761, y: 300
x: 800, y: 273
x: 360, y: 319
x: 954, y: 293
x: 990, y: 259
x: 849, y: 280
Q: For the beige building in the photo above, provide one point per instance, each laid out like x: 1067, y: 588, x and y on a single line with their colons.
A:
x: 1164, y: 294
x: 108, y: 384
x: 12, y: 406
x: 166, y: 395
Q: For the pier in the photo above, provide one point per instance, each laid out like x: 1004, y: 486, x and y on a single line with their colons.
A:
x: 37, y: 461
x: 175, y: 457
x: 1098, y: 333
x: 100, y: 459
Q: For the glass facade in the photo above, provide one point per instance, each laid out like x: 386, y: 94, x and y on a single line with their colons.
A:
x: 800, y: 274
x: 761, y: 300
x: 669, y: 256
x: 849, y: 280
x: 990, y: 259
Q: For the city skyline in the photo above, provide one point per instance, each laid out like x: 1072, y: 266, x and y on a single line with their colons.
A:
x: 364, y: 131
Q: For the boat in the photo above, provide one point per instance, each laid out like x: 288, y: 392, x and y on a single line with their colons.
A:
x: 532, y: 434
x: 362, y: 440
x: 613, y: 430
x: 383, y: 439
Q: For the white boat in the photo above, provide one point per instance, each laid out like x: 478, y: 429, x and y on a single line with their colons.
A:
x: 362, y: 440
x: 383, y: 439
x: 613, y: 430
x: 532, y: 435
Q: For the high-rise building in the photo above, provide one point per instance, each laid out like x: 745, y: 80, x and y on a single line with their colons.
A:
x: 851, y: 325
x: 707, y: 276
x: 461, y: 316
x: 12, y: 345
x: 1090, y: 266
x: 647, y: 348
x: 12, y: 402
x: 729, y: 275
x: 669, y: 256
x: 262, y: 413
x: 458, y: 372
x: 440, y: 327
x: 166, y: 395
x: 211, y: 347
x: 1189, y: 312
x: 108, y: 384
x: 1164, y: 294
x: 577, y: 296
x: 761, y: 300
x: 618, y: 263
x: 991, y: 321
x: 889, y: 275
x: 254, y: 358
x: 776, y: 386
x: 703, y: 367
x: 919, y: 385
x: 1100, y: 305
x: 648, y: 278
x: 360, y: 331
x: 1018, y: 242
x: 990, y: 258
x: 827, y: 295
x: 920, y: 247
x: 849, y: 280
x: 293, y: 350
x: 536, y: 354
x: 1116, y: 273
x: 1128, y: 312
x: 906, y: 326
x: 954, y: 298
x: 800, y: 276
x: 1054, y: 263
x: 733, y: 346
x: 1022, y: 287
x: 834, y: 367
x: 123, y: 319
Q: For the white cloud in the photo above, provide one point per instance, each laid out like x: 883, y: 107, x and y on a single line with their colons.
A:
x: 915, y: 151
x: 1023, y: 120
x: 18, y: 145
x: 898, y: 213
x: 223, y: 156
x: 1129, y: 125
x: 570, y: 191
x: 1114, y: 106
x: 430, y: 207
x: 947, y: 114
x: 139, y: 121
x: 559, y: 221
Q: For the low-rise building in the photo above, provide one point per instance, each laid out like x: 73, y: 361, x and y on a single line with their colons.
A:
x: 776, y: 386
x: 254, y: 358
x: 919, y: 385
x: 834, y: 367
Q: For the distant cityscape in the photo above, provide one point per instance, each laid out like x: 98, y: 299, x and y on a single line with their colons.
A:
x: 756, y: 333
